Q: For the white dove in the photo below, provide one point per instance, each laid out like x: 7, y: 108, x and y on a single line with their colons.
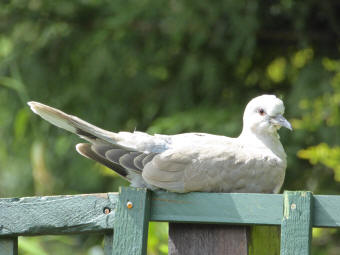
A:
x: 253, y: 162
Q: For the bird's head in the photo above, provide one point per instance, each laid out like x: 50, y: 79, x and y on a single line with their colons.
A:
x: 264, y: 115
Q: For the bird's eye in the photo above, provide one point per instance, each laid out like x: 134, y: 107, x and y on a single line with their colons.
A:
x: 261, y: 111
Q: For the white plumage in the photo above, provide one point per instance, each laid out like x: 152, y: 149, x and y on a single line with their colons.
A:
x: 253, y: 162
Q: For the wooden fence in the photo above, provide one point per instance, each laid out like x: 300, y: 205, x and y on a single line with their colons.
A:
x: 128, y: 213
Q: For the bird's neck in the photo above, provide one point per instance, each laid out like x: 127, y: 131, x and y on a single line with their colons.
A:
x: 270, y: 140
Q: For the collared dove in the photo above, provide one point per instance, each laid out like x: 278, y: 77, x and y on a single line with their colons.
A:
x: 253, y: 162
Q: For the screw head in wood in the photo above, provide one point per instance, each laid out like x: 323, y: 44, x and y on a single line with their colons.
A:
x: 293, y: 206
x: 129, y: 204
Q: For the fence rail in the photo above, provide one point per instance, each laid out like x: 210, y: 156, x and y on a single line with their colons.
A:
x: 296, y: 213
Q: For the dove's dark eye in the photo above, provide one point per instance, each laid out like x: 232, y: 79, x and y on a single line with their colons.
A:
x: 261, y: 112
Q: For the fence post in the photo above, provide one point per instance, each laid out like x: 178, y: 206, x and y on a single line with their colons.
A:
x: 9, y: 245
x: 131, y: 222
x: 296, y: 227
x: 192, y: 239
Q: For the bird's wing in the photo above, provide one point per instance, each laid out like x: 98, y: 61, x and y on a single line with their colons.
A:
x: 167, y: 170
x: 186, y: 164
x: 225, y: 167
x: 129, y: 164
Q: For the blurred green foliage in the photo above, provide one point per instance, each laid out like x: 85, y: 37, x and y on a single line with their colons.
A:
x: 163, y: 67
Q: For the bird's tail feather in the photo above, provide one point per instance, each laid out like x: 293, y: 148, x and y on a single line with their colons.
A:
x: 72, y: 123
x: 104, y: 146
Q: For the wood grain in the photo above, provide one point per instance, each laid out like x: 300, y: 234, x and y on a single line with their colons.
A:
x: 57, y: 214
x: 296, y: 227
x: 85, y: 213
x: 192, y: 239
x: 207, y: 239
x: 131, y: 224
x: 326, y: 211
x: 238, y: 208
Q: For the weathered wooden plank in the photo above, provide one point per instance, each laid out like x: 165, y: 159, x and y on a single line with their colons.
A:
x: 217, y: 208
x: 236, y: 208
x: 193, y: 239
x: 132, y: 222
x: 85, y: 213
x: 326, y: 211
x: 57, y: 214
x: 264, y: 240
x: 9, y: 245
x: 296, y: 227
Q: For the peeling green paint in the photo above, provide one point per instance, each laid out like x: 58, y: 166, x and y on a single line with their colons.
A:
x: 286, y: 207
x: 296, y: 229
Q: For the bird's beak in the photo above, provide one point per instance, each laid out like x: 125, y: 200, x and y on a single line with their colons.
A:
x: 279, y: 120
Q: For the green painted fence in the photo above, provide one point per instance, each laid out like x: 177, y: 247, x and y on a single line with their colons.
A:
x: 129, y: 212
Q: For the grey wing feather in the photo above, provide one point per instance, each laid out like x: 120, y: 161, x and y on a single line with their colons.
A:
x: 138, y: 161
x: 115, y: 154
x: 101, y: 149
x: 148, y: 158
x: 121, y: 161
x: 127, y: 161
x: 86, y: 150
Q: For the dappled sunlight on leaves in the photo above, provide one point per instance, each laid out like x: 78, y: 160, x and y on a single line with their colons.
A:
x: 301, y: 58
x: 276, y: 69
x: 158, y: 238
x: 322, y: 153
